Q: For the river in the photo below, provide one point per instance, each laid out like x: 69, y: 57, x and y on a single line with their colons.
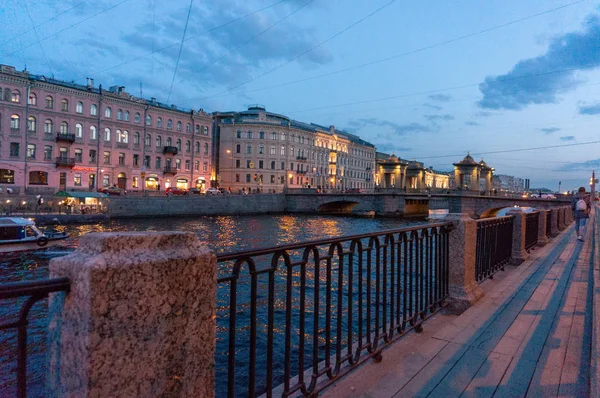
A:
x: 224, y: 234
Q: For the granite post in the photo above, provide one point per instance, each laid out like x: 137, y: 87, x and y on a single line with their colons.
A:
x: 519, y: 254
x: 463, y: 286
x: 554, y: 219
x: 542, y: 221
x: 139, y: 320
x: 561, y: 218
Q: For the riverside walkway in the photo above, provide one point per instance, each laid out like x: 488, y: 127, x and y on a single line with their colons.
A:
x: 530, y: 335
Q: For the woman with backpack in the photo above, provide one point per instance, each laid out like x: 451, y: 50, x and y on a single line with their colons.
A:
x: 581, y: 206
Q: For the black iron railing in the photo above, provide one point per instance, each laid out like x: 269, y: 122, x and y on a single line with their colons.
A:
x: 31, y: 292
x: 299, y: 316
x: 548, y: 223
x: 531, y: 230
x: 494, y: 246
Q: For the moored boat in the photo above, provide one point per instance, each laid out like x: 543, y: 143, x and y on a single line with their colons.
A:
x: 21, y: 234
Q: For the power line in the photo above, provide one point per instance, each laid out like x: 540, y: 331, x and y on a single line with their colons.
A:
x: 180, y: 49
x: 189, y: 38
x: 255, y: 36
x: 37, y: 37
x: 43, y: 23
x: 69, y: 27
x: 386, y: 59
x: 307, y: 51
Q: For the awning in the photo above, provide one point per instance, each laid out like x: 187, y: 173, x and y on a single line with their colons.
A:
x: 81, y: 194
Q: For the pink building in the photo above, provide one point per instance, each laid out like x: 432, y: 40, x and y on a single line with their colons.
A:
x: 56, y: 135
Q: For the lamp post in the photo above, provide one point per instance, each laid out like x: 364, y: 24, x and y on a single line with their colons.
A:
x: 228, y: 151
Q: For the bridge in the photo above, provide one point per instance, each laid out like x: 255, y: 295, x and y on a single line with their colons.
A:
x: 400, y: 204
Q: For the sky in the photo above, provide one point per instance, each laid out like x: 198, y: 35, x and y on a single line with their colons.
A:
x: 513, y: 82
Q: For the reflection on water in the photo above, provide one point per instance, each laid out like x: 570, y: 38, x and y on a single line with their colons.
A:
x: 222, y: 234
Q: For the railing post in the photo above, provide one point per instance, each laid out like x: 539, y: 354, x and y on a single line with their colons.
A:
x: 542, y: 238
x: 554, y: 229
x: 139, y: 319
x: 519, y: 254
x: 463, y: 287
x: 569, y: 215
x: 561, y: 218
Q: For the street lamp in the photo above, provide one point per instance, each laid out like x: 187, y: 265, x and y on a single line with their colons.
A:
x: 228, y: 151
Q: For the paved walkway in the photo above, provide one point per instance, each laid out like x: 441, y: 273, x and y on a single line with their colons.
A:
x: 529, y: 336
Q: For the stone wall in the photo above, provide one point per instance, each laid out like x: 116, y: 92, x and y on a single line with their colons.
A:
x: 209, y: 205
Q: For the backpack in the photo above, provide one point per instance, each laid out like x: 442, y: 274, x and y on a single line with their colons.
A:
x: 581, y: 205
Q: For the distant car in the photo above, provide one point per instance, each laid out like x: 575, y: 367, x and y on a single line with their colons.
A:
x: 176, y: 191
x: 195, y: 191
x: 213, y: 191
x: 223, y: 191
x: 111, y: 190
x: 353, y: 190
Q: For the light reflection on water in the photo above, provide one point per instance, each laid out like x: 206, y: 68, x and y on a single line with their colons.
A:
x: 222, y: 234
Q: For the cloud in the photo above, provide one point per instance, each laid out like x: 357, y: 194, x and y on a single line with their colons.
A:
x: 588, y: 165
x: 531, y: 81
x: 388, y: 147
x: 472, y: 123
x: 440, y: 97
x: 549, y: 130
x: 436, y: 107
x: 400, y: 129
x: 567, y: 138
x: 438, y: 118
x: 589, y: 109
x: 484, y: 114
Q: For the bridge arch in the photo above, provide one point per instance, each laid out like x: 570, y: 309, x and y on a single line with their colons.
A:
x: 337, y: 207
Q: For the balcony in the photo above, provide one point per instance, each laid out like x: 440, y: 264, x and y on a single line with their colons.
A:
x: 62, y: 161
x: 332, y: 163
x: 65, y: 137
x: 170, y: 149
x: 301, y: 158
x: 170, y: 170
x: 301, y: 172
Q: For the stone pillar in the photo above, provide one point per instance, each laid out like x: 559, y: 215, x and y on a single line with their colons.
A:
x: 560, y: 218
x: 139, y: 319
x: 463, y: 286
x: 542, y: 238
x: 519, y: 254
x: 554, y: 218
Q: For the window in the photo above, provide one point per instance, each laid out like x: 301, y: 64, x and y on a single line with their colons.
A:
x: 134, y: 182
x: 282, y: 136
x: 79, y: 107
x: 178, y: 164
x: 178, y: 126
x: 47, y: 152
x: 272, y: 179
x: 169, y: 124
x: 31, y: 124
x: 92, y: 156
x: 148, y: 120
x: 50, y: 102
x: 261, y: 135
x: 93, y: 133
x: 148, y: 140
x: 125, y: 137
x: 272, y: 165
x: 38, y: 178
x: 16, y: 96
x: 126, y: 116
x: 136, y: 138
x: 247, y: 177
x: 107, y: 112
x: 78, y: 155
x: 14, y: 149
x: 121, y: 159
x: 205, y: 166
x: 7, y: 176
x: 239, y: 134
x: 136, y: 159
x: 206, y: 148
x: 136, y: 117
x: 248, y: 161
x: 179, y: 145
x: 197, y: 129
x: 64, y: 127
x: 169, y: 141
x: 249, y: 149
x: 273, y: 151
x: 188, y: 128
x: 188, y: 146
x: 32, y: 99
x: 77, y: 179
x: 238, y: 148
x: 249, y: 134
x: 158, y: 141
x: 31, y: 151
x: 106, y: 157
x: 147, y: 161
x: 158, y: 162
x: 64, y: 105
x: 205, y: 130
x: 159, y: 122
x: 14, y: 122
x: 119, y: 114
x: 237, y: 178
x: 197, y: 165
x: 282, y: 150
x: 260, y: 164
x: 197, y: 147
x: 105, y: 180
x: 273, y: 135
x: 282, y: 165
x: 261, y: 149
x: 78, y: 130
x: 107, y: 134
x: 93, y: 109
x: 188, y: 164
x: 238, y: 164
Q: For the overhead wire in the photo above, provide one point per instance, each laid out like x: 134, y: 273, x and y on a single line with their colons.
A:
x: 187, y: 21
x: 37, y: 37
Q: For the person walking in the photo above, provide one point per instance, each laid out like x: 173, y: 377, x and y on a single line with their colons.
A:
x: 581, y: 207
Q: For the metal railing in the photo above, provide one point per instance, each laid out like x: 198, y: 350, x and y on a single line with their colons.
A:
x: 300, y: 316
x: 33, y: 292
x: 494, y: 246
x: 531, y: 230
x: 548, y: 223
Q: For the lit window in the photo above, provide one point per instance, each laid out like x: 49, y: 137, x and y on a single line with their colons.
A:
x: 14, y: 122
x: 16, y: 96
x: 32, y: 99
x: 77, y: 180
x: 31, y: 124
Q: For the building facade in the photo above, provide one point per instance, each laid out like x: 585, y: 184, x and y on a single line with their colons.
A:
x: 413, y: 176
x: 260, y: 150
x: 56, y: 135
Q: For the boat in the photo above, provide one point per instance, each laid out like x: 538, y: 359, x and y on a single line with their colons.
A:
x: 20, y: 234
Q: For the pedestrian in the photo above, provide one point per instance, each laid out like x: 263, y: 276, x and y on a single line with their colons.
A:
x: 158, y: 187
x: 581, y: 207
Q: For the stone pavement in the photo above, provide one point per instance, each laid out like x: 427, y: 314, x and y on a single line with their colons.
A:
x: 530, y: 335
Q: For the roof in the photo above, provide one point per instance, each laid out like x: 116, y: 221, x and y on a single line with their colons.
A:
x: 467, y: 161
x: 15, y: 221
x: 79, y: 194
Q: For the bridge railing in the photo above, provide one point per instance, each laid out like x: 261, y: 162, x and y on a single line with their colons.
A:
x: 300, y: 316
x: 494, y: 246
x: 531, y: 230
x: 548, y: 224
